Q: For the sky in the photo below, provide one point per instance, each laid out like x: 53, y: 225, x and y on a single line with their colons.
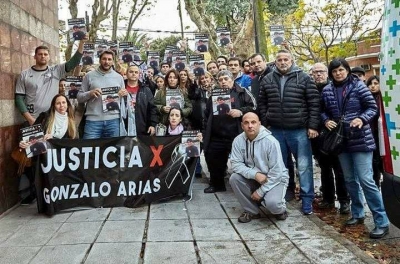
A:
x: 163, y: 16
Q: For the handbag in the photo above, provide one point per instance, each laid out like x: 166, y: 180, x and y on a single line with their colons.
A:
x: 332, y: 141
x: 19, y: 156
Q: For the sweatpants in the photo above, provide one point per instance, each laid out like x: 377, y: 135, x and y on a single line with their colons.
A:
x: 274, y: 200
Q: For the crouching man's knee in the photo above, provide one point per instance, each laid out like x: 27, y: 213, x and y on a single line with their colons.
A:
x: 235, y: 179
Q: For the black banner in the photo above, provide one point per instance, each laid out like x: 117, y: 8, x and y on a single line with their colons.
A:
x: 122, y: 171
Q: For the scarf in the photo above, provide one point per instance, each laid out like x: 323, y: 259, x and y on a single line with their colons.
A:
x: 177, y: 131
x: 60, y: 125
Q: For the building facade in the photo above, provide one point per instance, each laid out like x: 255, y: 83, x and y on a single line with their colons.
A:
x: 24, y: 25
x: 367, y: 56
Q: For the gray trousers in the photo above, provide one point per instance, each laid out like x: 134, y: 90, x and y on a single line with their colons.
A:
x: 274, y: 200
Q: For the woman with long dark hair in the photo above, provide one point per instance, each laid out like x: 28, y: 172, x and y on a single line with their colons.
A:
x: 349, y: 97
x: 172, y: 81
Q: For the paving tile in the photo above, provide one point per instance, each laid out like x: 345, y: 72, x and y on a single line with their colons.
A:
x: 172, y: 252
x: 224, y: 252
x: 276, y: 251
x: 32, y: 235
x: 98, y: 214
x: 74, y: 233
x: 298, y: 228
x: 227, y: 196
x: 213, y: 230
x: 169, y: 230
x: 7, y: 229
x: 61, y: 254
x: 124, y: 213
x: 18, y: 255
x: 44, y: 219
x: 200, y: 197
x: 200, y: 185
x: 21, y: 213
x: 232, y: 209
x: 113, y: 253
x: 210, y: 210
x: 168, y: 211
x: 259, y: 230
x: 122, y: 231
x: 326, y: 250
x: 293, y: 209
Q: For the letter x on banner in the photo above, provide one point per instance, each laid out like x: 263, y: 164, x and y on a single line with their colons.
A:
x: 123, y: 171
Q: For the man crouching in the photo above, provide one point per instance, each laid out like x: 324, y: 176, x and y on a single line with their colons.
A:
x: 259, y: 173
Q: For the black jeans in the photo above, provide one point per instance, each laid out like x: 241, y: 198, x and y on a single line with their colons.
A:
x: 216, y: 157
x: 330, y: 164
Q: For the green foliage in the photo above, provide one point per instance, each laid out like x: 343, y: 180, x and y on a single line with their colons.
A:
x: 318, y: 33
x: 221, y: 9
x: 282, y: 6
x: 137, y: 38
x: 161, y: 43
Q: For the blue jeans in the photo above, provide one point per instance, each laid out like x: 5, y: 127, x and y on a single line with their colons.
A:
x: 101, y: 129
x: 357, y: 170
x: 296, y: 140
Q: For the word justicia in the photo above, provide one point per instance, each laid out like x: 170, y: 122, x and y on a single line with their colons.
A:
x: 91, y: 157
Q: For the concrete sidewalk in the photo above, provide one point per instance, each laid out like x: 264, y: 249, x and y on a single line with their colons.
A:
x: 203, y: 230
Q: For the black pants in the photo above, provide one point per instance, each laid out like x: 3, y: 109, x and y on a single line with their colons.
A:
x: 377, y: 166
x: 290, y: 167
x: 331, y: 176
x: 217, y: 156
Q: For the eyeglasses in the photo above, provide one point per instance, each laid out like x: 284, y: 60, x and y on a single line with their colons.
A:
x: 318, y: 72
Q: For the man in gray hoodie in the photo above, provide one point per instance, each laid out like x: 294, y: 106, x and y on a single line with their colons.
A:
x: 100, y: 124
x: 259, y: 173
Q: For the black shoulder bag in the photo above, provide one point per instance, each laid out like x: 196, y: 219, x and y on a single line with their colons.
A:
x: 332, y: 141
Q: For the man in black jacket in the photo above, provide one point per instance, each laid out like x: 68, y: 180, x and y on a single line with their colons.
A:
x: 142, y: 101
x: 260, y: 68
x: 220, y: 130
x: 289, y: 107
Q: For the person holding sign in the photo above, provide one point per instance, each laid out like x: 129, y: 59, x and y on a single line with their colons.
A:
x: 100, y: 124
x: 57, y: 122
x: 220, y: 130
x: 142, y: 118
x: 38, y: 84
x: 172, y: 81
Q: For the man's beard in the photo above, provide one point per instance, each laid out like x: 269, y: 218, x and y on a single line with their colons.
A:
x: 104, y: 69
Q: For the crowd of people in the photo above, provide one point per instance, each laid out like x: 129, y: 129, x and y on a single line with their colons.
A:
x: 274, y: 118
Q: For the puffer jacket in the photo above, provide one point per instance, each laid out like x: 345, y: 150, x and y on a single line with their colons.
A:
x: 296, y: 106
x: 360, y: 104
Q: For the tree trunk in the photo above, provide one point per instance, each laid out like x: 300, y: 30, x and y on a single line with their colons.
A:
x: 243, y: 41
x: 115, y: 11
